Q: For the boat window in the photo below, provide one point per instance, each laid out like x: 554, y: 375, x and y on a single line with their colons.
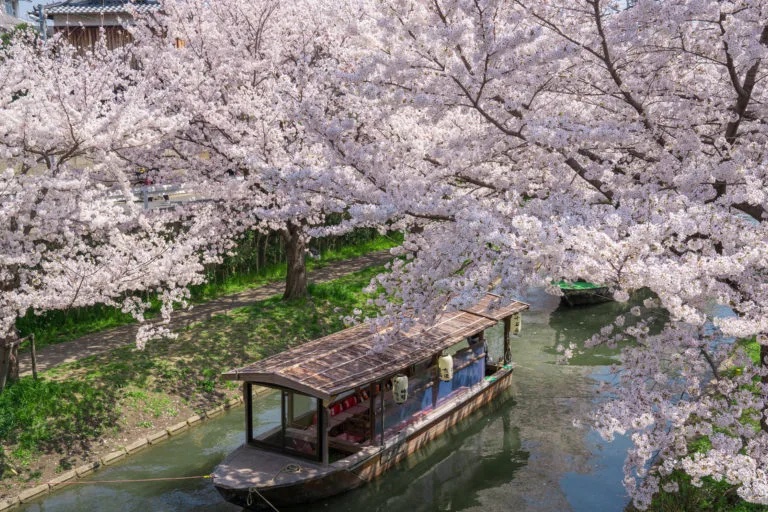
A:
x: 462, y: 345
x: 295, y: 431
x: 421, y: 380
x: 349, y: 422
x: 494, y: 340
x: 303, y: 409
x: 468, y: 370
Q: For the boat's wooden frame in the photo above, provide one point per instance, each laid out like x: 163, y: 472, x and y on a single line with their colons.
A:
x: 257, y: 477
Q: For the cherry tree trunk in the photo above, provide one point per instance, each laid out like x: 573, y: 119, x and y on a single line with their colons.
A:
x: 9, y: 360
x: 296, y: 274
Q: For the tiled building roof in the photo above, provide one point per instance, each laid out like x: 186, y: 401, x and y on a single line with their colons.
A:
x: 99, y: 6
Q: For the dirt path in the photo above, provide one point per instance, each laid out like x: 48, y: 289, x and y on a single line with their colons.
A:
x: 105, y: 341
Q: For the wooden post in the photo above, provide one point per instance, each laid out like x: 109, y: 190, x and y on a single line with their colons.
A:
x: 33, y: 354
x: 372, y: 411
x: 248, y: 401
x: 381, y: 412
x: 323, y: 421
x: 436, y: 382
x: 283, y: 400
x: 290, y: 409
x: 507, y: 348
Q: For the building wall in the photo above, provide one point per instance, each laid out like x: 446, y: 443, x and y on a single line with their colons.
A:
x: 86, y: 37
x: 90, y: 20
x: 11, y: 7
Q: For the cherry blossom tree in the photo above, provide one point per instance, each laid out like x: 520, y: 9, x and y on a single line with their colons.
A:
x: 517, y: 143
x: 71, y: 233
x: 539, y: 141
x: 251, y: 78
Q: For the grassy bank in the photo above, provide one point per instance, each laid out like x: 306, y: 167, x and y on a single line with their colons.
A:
x: 60, y: 326
x: 100, y: 403
x: 711, y: 495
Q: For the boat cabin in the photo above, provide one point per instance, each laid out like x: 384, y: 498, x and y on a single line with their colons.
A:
x: 347, y: 391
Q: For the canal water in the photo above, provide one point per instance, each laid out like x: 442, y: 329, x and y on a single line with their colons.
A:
x: 525, y: 454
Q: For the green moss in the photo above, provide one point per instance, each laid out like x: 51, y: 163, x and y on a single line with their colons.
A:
x: 751, y: 347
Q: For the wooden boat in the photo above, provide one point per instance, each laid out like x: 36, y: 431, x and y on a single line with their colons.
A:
x: 579, y: 293
x: 351, y: 407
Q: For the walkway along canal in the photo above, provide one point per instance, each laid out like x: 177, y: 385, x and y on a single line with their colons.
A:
x: 523, y: 455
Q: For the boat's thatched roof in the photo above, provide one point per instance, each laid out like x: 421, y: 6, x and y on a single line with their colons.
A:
x: 356, y: 357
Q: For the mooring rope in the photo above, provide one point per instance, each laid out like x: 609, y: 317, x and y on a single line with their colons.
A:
x: 127, y: 480
x: 288, y: 468
x: 249, y: 498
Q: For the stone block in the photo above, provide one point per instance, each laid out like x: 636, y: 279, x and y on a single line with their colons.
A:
x: 137, y: 446
x: 87, y: 469
x: 9, y: 503
x: 67, y: 476
x: 30, y: 494
x: 113, y: 457
x: 177, y: 428
x: 157, y: 437
x: 215, y: 411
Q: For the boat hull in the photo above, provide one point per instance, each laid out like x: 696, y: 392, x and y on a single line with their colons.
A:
x: 372, y: 461
x: 585, y: 297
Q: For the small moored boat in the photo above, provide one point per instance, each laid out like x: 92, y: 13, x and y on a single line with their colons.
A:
x: 351, y: 409
x: 578, y: 293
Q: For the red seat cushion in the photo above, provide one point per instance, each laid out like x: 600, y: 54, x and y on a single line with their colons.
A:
x: 350, y: 401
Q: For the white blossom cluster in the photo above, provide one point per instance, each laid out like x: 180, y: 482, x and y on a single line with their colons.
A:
x: 73, y: 127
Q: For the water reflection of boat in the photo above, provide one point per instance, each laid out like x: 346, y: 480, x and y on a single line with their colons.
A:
x: 579, y: 293
x: 450, y: 474
x: 351, y: 410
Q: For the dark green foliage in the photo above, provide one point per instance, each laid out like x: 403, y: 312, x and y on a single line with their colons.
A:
x: 21, y: 28
x: 712, y: 496
x: 41, y: 414
x: 57, y: 326
x: 257, y: 261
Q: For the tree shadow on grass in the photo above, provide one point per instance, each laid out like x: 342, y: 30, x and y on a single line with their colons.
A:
x: 84, y: 398
x: 50, y: 416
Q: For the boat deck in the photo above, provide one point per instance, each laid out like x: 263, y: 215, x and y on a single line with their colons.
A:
x: 273, y: 469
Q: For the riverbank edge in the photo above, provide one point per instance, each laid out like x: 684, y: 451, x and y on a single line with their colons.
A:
x: 70, y: 477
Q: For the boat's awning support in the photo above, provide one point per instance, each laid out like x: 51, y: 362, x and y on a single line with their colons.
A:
x: 323, y: 427
x: 381, y: 411
x: 507, y: 347
x: 372, y: 414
